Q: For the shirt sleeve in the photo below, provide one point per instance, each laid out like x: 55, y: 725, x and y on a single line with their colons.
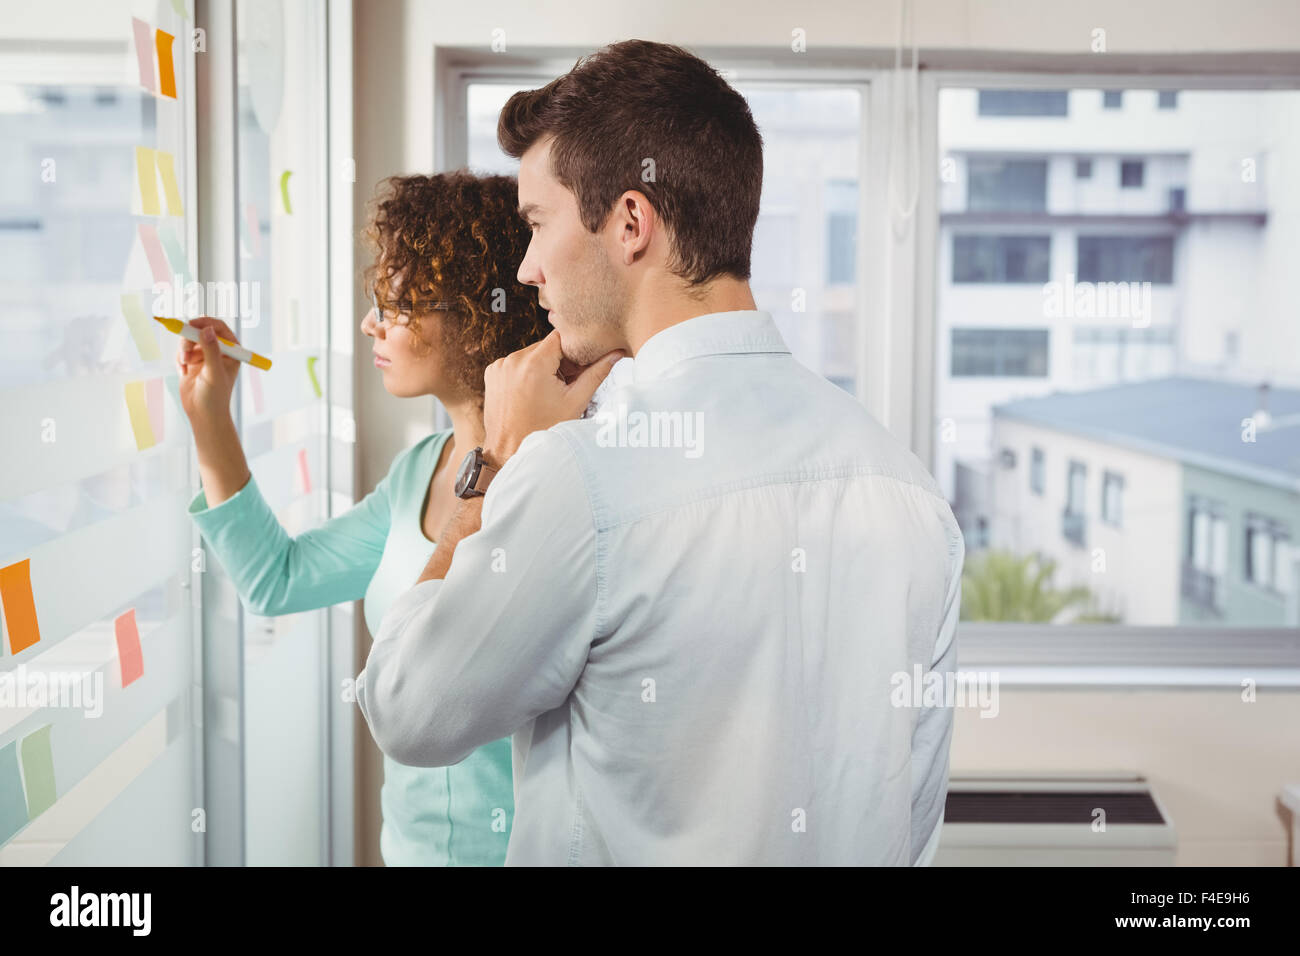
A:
x: 504, y: 637
x: 932, y: 736
x: 278, y: 574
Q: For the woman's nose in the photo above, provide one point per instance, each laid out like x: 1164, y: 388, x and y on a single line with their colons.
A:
x: 368, y: 325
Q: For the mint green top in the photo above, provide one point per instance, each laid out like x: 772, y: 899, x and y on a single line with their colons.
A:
x: 433, y: 816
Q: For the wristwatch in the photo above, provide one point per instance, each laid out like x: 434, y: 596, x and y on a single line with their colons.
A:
x: 474, y: 476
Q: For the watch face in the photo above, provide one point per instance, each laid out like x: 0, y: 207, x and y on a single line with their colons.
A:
x: 466, y: 473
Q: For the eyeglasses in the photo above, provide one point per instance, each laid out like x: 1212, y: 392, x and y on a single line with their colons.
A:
x: 379, y: 313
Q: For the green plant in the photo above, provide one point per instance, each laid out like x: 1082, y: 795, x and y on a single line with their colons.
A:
x: 1001, y: 586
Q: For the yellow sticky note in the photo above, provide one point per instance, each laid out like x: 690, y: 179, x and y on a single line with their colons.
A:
x: 144, y: 166
x: 167, y: 166
x: 138, y: 408
x: 143, y: 330
x: 311, y: 372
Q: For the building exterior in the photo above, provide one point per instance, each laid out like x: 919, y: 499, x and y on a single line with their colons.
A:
x: 1174, y: 500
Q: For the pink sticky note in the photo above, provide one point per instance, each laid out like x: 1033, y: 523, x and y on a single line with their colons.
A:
x: 129, y: 654
x: 255, y: 382
x: 144, y: 52
x: 153, y: 397
x: 153, y: 250
x: 254, y: 230
x: 303, y: 470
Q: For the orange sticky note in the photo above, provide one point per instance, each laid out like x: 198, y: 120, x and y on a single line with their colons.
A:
x: 19, y: 605
x: 138, y: 409
x: 129, y: 654
x: 166, y: 74
x: 167, y: 168
x: 143, y: 55
x: 304, y: 471
x: 144, y: 169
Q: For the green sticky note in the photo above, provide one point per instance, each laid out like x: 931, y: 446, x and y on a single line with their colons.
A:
x: 172, y: 246
x: 143, y: 328
x: 13, y: 805
x: 38, y: 772
x: 284, y: 190
x: 179, y: 7
x: 311, y: 371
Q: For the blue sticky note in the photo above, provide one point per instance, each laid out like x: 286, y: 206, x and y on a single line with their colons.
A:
x: 13, y: 805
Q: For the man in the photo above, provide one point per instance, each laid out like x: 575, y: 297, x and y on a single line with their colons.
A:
x: 691, y: 610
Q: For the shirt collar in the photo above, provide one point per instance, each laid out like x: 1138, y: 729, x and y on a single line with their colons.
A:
x: 717, y: 333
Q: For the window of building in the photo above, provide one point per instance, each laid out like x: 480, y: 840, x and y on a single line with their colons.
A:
x: 1006, y: 185
x: 1268, y: 554
x: 1207, y: 536
x: 1125, y: 259
x: 1167, y: 100
x: 1083, y: 169
x: 1076, y: 479
x: 1131, y: 173
x: 1112, y: 99
x: 1037, y: 469
x: 1001, y: 259
x: 1024, y: 102
x: 1112, y: 498
x: 999, y: 352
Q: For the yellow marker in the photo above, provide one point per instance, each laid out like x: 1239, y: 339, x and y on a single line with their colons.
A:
x: 227, y: 347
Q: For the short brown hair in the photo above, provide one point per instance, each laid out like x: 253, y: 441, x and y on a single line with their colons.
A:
x: 456, y: 237
x: 638, y: 100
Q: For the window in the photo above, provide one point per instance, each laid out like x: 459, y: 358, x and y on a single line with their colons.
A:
x: 1125, y: 259
x: 1006, y: 185
x: 1037, y: 468
x: 1128, y: 349
x: 1112, y: 499
x: 1268, y: 554
x: 1001, y: 259
x: 841, y: 232
x: 999, y: 352
x: 1076, y: 479
x: 1023, y: 102
x: 1167, y: 100
x: 1131, y: 173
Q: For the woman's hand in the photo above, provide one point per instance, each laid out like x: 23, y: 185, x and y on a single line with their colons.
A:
x: 207, y: 377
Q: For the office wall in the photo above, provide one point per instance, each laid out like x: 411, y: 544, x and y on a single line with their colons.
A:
x: 395, y: 96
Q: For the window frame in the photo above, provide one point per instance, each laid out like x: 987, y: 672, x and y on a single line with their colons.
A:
x: 1082, y: 655
x: 897, y: 354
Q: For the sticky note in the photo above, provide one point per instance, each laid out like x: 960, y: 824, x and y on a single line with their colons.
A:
x: 138, y: 408
x: 143, y: 52
x: 144, y: 170
x: 166, y: 74
x: 153, y: 250
x: 13, y: 803
x: 38, y: 772
x: 171, y: 242
x: 179, y: 7
x: 303, y: 471
x: 255, y: 383
x: 284, y: 190
x: 167, y: 168
x: 254, y: 230
x: 143, y: 330
x: 153, y: 396
x: 311, y: 371
x: 19, y: 604
x: 129, y: 655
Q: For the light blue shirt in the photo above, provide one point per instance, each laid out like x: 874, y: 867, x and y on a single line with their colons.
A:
x: 691, y: 611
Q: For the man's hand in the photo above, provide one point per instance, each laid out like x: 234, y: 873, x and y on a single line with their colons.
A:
x: 533, y: 389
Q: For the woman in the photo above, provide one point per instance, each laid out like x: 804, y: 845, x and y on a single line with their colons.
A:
x: 448, y: 248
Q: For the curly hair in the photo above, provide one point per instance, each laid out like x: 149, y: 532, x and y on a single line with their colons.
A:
x: 456, y: 238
